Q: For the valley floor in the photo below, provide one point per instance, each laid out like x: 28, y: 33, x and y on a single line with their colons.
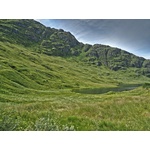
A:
x: 64, y: 109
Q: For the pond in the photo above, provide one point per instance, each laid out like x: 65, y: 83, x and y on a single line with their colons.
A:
x: 102, y: 90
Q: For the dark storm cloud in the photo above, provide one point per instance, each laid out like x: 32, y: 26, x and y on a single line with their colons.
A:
x: 131, y: 35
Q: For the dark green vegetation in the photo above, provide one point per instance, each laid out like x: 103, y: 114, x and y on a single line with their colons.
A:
x: 50, y: 81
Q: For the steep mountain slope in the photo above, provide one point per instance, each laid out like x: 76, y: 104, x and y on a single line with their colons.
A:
x: 30, y: 33
x: 116, y: 59
x: 22, y: 68
x: 55, y: 42
x: 58, y: 42
x: 28, y: 50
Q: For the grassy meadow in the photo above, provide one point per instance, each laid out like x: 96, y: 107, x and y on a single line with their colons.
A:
x: 46, y: 93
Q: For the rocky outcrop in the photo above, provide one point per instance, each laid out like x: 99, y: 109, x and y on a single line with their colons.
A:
x: 114, y: 58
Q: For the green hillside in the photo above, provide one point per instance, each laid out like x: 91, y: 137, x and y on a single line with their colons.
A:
x: 51, y: 81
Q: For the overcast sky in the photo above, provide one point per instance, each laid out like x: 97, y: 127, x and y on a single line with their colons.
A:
x: 130, y: 35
